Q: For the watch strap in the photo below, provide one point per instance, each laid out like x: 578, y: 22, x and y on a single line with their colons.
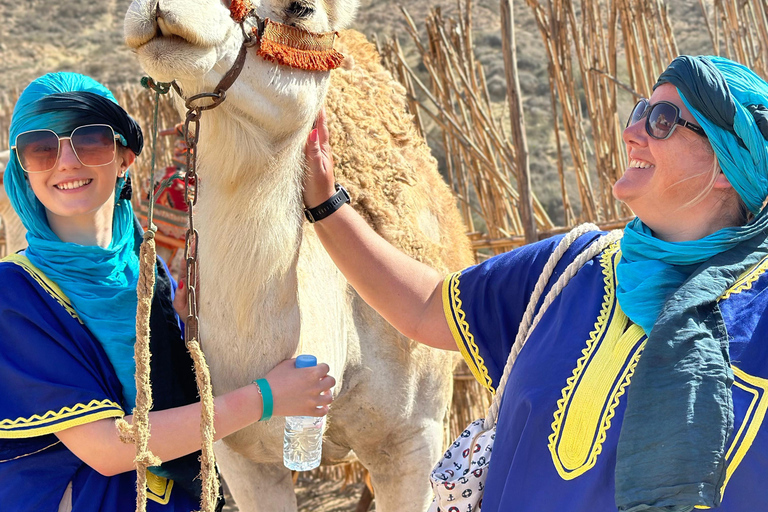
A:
x: 323, y: 210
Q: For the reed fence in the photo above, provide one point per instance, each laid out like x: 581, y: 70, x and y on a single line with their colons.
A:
x: 600, y: 52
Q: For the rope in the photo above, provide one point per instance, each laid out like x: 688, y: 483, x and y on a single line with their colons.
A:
x: 529, y: 322
x: 139, y: 432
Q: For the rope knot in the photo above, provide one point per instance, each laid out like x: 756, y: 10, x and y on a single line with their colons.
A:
x: 159, y: 87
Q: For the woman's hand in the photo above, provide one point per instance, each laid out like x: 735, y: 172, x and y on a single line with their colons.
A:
x: 181, y: 301
x: 318, y: 181
x: 300, y: 391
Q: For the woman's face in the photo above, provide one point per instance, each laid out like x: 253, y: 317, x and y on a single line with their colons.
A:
x: 75, y: 192
x: 664, y: 176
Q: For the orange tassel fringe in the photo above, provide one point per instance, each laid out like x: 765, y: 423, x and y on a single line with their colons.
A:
x: 291, y: 46
x: 239, y: 9
x: 309, y: 60
x: 298, y: 48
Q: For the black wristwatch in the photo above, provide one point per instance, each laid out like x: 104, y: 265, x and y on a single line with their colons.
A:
x: 325, y: 209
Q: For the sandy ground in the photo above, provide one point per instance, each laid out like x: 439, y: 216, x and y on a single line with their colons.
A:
x: 314, y: 495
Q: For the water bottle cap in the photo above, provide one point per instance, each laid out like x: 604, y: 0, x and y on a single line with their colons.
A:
x: 305, y: 361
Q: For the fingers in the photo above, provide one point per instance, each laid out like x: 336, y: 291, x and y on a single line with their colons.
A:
x: 301, y: 391
x: 322, y: 128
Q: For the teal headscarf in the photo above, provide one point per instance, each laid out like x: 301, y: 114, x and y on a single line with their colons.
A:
x: 682, y: 382
x: 100, y: 282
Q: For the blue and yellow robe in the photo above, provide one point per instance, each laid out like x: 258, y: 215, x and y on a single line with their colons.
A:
x: 562, y: 409
x: 55, y: 375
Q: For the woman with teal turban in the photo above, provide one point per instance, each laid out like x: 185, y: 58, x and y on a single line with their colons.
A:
x: 644, y: 387
x: 67, y: 323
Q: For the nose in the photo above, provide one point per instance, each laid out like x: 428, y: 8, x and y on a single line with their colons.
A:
x: 635, y: 133
x: 67, y: 157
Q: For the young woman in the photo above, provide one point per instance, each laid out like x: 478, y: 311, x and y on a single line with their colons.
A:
x: 677, y: 309
x: 67, y: 323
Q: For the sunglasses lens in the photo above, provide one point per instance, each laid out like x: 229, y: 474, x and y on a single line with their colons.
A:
x: 94, y: 144
x: 37, y: 150
x: 637, y: 112
x: 661, y: 120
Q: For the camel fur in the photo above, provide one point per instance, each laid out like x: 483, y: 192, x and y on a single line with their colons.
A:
x: 269, y: 289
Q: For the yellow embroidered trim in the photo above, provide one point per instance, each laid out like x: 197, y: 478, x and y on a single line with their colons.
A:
x: 32, y: 453
x: 600, y: 378
x: 158, y: 488
x: 53, y: 421
x: 747, y: 279
x: 459, y: 327
x: 753, y: 419
x: 48, y: 285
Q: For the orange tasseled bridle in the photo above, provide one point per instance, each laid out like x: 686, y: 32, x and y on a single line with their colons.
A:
x: 287, y: 45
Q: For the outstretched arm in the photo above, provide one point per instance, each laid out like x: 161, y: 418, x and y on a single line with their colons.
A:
x: 176, y: 432
x: 407, y: 293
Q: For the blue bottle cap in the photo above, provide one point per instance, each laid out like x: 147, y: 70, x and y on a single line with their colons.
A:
x: 305, y: 361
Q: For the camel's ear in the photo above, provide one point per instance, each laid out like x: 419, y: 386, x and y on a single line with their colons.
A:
x: 341, y: 12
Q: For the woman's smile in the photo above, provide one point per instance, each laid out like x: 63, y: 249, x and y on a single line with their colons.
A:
x: 73, y: 185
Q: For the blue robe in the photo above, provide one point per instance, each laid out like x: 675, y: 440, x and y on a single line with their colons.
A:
x: 562, y: 409
x: 55, y: 375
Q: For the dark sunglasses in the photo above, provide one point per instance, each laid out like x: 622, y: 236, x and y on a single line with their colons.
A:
x: 39, y: 150
x: 661, y: 119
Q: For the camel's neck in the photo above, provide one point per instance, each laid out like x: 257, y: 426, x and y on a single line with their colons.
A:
x: 250, y: 199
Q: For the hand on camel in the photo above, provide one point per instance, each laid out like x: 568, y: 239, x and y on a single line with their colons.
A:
x: 300, y: 391
x: 318, y: 181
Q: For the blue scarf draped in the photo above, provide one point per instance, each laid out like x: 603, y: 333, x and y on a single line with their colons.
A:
x: 682, y: 382
x: 100, y: 282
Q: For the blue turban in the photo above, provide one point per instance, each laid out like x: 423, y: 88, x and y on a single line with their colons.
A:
x: 100, y: 282
x: 730, y: 102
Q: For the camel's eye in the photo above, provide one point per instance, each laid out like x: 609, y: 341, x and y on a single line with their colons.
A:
x: 299, y: 10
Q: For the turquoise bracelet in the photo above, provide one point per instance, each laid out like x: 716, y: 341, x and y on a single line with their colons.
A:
x: 266, y: 398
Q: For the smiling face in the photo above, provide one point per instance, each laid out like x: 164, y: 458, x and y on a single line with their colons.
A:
x: 673, y: 185
x: 79, y: 199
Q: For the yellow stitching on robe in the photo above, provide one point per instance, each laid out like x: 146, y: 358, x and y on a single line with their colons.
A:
x: 43, y: 280
x: 600, y: 378
x: 459, y: 327
x: 55, y: 421
x: 158, y: 488
x: 747, y: 279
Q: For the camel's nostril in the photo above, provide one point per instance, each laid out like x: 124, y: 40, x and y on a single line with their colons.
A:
x: 299, y: 10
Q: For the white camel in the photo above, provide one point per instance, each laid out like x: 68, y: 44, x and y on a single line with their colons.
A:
x: 15, y: 234
x: 269, y: 289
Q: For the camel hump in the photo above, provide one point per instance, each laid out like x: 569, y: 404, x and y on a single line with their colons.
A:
x: 385, y: 163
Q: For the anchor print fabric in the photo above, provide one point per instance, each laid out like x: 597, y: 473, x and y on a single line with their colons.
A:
x: 458, y: 480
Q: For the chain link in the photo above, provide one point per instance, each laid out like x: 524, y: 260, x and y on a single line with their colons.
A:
x: 191, y: 191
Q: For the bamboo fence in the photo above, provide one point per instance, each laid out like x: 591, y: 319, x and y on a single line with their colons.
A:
x: 598, y: 50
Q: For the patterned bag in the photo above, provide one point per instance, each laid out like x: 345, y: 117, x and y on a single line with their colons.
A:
x: 458, y: 479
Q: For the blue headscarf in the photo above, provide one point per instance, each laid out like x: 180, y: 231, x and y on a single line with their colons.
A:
x: 681, y: 385
x: 730, y: 102
x: 100, y: 282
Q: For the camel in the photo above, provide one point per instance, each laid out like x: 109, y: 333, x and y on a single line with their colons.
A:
x: 15, y: 234
x: 269, y: 290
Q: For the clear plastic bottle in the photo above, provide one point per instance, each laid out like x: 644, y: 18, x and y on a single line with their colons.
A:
x: 303, y: 442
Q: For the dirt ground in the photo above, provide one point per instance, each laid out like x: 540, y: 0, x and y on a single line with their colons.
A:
x: 315, y: 495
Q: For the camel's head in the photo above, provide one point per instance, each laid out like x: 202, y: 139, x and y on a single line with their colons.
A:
x: 195, y: 42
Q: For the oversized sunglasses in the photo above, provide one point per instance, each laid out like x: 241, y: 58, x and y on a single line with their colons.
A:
x: 39, y: 150
x: 661, y: 119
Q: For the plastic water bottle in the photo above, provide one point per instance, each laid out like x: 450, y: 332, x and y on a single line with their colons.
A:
x: 303, y: 442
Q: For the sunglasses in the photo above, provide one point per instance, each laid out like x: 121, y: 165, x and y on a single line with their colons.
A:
x: 661, y: 119
x: 39, y: 150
